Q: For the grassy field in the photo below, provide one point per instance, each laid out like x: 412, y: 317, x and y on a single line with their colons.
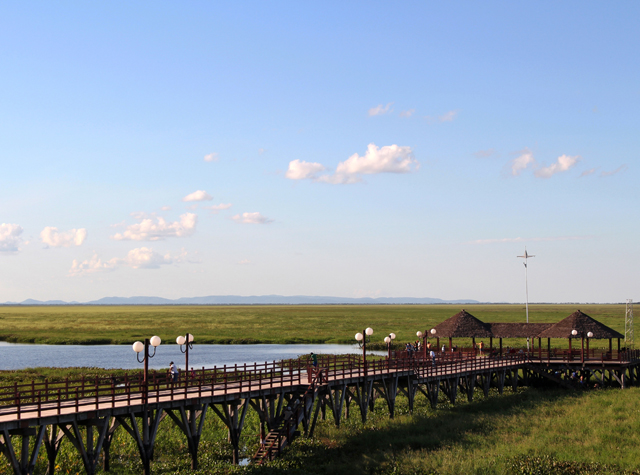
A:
x: 532, y: 431
x: 263, y: 324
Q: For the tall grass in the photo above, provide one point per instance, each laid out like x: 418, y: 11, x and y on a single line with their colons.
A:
x: 265, y: 324
x: 531, y: 431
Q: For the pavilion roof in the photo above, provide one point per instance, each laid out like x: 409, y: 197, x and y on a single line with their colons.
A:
x: 517, y: 330
x: 584, y: 324
x: 462, y: 325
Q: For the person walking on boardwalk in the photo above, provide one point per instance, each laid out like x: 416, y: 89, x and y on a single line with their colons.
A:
x: 314, y: 361
x: 433, y: 358
x: 174, y: 372
x: 481, y: 347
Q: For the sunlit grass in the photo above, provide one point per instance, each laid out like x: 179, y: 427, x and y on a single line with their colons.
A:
x: 265, y: 324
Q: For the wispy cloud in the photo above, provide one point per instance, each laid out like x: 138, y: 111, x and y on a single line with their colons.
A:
x: 261, y: 150
x: 10, y: 239
x: 199, y: 195
x: 407, y: 113
x: 217, y: 208
x: 387, y: 159
x: 52, y: 237
x: 535, y: 239
x: 138, y: 258
x: 522, y: 161
x: 252, y: 218
x: 448, y: 117
x: 564, y: 163
x: 380, y: 109
x: 166, y: 208
x: 621, y: 168
x: 491, y: 152
x: 588, y: 172
x: 211, y: 157
x: 244, y: 262
x: 155, y: 228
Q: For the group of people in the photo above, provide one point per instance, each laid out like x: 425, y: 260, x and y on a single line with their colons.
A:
x: 174, y: 372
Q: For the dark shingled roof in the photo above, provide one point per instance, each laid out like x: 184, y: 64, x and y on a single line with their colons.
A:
x: 584, y: 324
x: 517, y: 330
x: 462, y: 325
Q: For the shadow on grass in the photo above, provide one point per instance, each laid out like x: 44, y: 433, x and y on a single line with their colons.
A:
x: 376, y: 447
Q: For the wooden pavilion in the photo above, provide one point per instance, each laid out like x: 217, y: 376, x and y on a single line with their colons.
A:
x: 576, y: 325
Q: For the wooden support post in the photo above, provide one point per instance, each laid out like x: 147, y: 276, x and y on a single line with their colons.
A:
x: 192, y: 428
x: 145, y: 441
x: 52, y: 442
x: 549, y: 350
x: 500, y: 346
x: 88, y: 452
x: 27, y: 462
x: 233, y: 415
x: 540, y: 349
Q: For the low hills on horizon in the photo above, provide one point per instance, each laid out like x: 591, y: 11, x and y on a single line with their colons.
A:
x: 251, y: 300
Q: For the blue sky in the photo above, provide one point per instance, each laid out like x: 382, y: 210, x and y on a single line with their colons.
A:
x: 339, y: 148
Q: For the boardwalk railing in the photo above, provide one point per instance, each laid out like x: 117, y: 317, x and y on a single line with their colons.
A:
x: 29, y: 400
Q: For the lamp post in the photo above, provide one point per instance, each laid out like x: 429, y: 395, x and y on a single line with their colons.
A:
x: 139, y: 347
x: 589, y: 335
x: 362, y: 339
x: 433, y: 334
x: 419, y: 334
x: 187, y: 342
x: 388, y: 340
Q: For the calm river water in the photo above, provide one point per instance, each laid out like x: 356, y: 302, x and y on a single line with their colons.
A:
x: 19, y: 356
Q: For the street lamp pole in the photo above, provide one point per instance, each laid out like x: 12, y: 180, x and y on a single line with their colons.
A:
x: 362, y: 339
x: 388, y: 340
x: 187, y: 342
x: 139, y: 347
x: 589, y: 335
x: 419, y: 334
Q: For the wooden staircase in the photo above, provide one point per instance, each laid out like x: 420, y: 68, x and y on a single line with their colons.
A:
x: 286, y: 428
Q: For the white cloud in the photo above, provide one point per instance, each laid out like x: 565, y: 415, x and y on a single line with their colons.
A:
x: 621, y: 168
x: 166, y: 208
x: 156, y: 228
x: 211, y: 157
x: 244, y: 262
x: 252, y: 218
x: 10, y: 237
x: 199, y: 195
x: 407, y: 113
x: 522, y: 161
x: 53, y: 238
x: 380, y: 109
x: 138, y: 258
x: 300, y: 170
x: 387, y: 159
x: 146, y: 258
x: 218, y: 208
x: 91, y: 266
x: 564, y: 163
x: 536, y: 239
x: 448, y: 117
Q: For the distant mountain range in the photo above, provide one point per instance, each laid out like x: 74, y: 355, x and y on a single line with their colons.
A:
x: 248, y: 300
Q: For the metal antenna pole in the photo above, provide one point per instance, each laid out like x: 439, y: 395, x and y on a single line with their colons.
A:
x: 628, y: 324
x: 526, y: 286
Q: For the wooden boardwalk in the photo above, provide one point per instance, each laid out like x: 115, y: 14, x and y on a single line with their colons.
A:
x: 284, y: 394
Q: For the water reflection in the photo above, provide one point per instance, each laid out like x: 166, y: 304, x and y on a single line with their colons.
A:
x: 20, y: 356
